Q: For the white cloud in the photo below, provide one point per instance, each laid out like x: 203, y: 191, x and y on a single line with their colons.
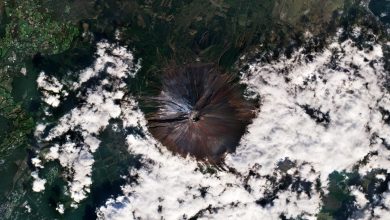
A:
x: 89, y: 118
x: 351, y: 98
x: 60, y: 208
x: 283, y: 129
x: 51, y: 89
x: 38, y: 183
x: 341, y: 84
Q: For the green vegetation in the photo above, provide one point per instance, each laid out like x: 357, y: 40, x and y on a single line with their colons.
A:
x: 25, y: 30
x: 29, y: 30
x: 338, y: 203
x: 306, y: 15
x: 219, y: 30
x: 161, y: 32
x: 17, y: 124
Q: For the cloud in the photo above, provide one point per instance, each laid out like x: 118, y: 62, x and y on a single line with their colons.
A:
x: 342, y: 83
x: 98, y: 106
x: 320, y: 112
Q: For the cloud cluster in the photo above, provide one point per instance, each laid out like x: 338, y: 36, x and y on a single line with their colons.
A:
x: 325, y: 109
x: 320, y: 112
x: 100, y: 102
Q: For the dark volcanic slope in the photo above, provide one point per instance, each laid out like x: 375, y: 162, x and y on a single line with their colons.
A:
x: 200, y: 112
